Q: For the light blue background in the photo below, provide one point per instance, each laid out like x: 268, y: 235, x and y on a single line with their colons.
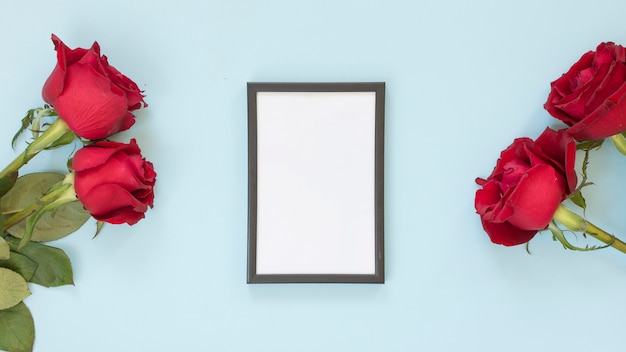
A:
x: 464, y: 78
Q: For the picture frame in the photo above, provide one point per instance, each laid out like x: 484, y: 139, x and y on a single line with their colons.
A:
x: 316, y: 182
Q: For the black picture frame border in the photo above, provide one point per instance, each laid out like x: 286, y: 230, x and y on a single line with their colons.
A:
x: 379, y: 88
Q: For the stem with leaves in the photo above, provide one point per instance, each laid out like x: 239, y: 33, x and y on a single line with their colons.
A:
x: 57, y: 134
x: 577, y: 223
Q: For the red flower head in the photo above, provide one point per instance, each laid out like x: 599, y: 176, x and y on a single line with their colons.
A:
x: 590, y: 96
x: 113, y: 181
x: 92, y: 97
x: 530, y: 180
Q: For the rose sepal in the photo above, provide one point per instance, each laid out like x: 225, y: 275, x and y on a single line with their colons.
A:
x: 619, y: 141
x: 570, y: 220
x: 99, y: 225
x: 33, y: 117
x: 54, y: 136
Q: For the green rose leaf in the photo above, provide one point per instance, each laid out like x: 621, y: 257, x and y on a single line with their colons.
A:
x: 53, y: 265
x: 51, y: 226
x: 17, y: 329
x: 21, y: 264
x: 5, y: 250
x: 13, y: 288
x: 7, y: 182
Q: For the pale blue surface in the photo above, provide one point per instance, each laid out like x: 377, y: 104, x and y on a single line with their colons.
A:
x: 463, y: 79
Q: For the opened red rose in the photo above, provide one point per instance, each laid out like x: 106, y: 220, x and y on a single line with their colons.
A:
x: 530, y: 180
x: 92, y: 97
x: 113, y: 181
x: 590, y: 96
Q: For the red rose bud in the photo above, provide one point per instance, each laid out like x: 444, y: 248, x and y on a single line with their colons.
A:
x: 590, y: 96
x: 113, y: 181
x: 530, y: 180
x: 93, y: 97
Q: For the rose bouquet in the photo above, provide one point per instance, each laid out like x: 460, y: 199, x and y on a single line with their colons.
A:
x: 87, y: 101
x: 526, y: 191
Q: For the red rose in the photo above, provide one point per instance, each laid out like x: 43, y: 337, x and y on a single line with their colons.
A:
x: 590, y: 96
x: 530, y: 180
x: 113, y: 181
x: 92, y: 97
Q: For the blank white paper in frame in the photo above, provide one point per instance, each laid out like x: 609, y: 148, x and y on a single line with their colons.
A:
x: 315, y: 193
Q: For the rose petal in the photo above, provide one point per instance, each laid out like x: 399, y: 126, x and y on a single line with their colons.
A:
x: 99, y: 153
x: 536, y: 198
x: 487, y: 197
x: 507, y: 234
x: 115, y: 171
x: 88, y: 105
x: 107, y: 198
x: 560, y: 147
x: 608, y: 120
x: 120, y: 216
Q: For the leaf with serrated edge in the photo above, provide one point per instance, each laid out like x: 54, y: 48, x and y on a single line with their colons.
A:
x: 21, y: 264
x: 54, y: 266
x: 17, y: 329
x: 13, y: 288
x: 51, y: 226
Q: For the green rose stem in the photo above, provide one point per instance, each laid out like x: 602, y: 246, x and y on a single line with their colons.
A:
x: 54, y: 133
x: 19, y: 216
x: 577, y: 223
x: 619, y: 140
